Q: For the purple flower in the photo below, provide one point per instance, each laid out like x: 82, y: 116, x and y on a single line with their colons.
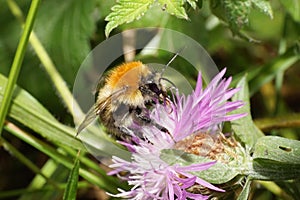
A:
x: 202, y: 111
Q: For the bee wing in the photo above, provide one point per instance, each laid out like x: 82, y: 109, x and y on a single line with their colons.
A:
x: 89, y: 118
x: 96, y: 109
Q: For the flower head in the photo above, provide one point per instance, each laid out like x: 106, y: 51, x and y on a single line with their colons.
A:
x: 202, y: 111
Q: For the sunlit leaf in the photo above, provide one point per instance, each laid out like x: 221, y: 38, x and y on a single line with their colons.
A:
x: 293, y: 7
x: 245, y: 128
x: 174, y: 7
x: 126, y: 11
x: 193, y: 3
x: 263, y: 6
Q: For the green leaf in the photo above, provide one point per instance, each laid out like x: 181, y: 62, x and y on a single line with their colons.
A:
x: 276, y: 158
x: 17, y: 62
x: 193, y: 3
x: 174, y: 7
x: 28, y: 111
x: 101, y: 181
x: 65, y: 29
x: 52, y: 169
x: 237, y: 13
x: 217, y: 174
x: 245, y: 128
x: 263, y: 6
x: 71, y: 189
x: 269, y: 71
x: 126, y: 11
x: 278, y: 149
x: 246, y: 190
x: 264, y: 169
x: 293, y: 7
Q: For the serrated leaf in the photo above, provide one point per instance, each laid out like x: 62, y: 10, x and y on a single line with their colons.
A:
x: 126, y: 11
x: 237, y: 13
x: 244, y: 128
x: 174, y: 7
x: 65, y: 28
x: 71, y: 189
x: 193, y: 3
x: 293, y: 7
x: 28, y: 111
x: 217, y: 174
x: 263, y: 6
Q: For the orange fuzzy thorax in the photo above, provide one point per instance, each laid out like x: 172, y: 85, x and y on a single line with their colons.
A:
x: 127, y: 74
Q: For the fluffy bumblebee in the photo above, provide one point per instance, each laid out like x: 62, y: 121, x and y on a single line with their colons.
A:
x: 124, y: 97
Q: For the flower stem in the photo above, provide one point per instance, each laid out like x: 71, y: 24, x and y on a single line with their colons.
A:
x: 56, y: 78
x: 289, y: 121
x: 275, y: 189
x: 18, y: 59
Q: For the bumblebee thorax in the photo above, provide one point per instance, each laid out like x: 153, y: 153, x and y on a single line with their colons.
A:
x: 127, y: 75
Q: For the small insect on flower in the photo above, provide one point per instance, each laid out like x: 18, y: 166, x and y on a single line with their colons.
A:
x: 124, y: 97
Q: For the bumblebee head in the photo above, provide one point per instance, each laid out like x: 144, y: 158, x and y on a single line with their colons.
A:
x: 151, y: 87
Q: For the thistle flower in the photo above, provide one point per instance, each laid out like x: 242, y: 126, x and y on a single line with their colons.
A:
x: 202, y: 111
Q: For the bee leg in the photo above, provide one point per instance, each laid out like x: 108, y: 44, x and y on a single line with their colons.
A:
x: 126, y: 131
x: 146, y: 120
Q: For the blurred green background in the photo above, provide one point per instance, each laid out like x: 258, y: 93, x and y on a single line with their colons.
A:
x: 260, y: 45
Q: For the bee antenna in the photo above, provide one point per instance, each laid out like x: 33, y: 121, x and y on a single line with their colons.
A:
x: 165, y: 79
x: 172, y: 59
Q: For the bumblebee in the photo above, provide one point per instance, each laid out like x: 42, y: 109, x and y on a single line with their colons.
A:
x: 124, y: 97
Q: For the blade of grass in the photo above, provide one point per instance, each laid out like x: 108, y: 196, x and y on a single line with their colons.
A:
x: 71, y: 189
x: 50, y: 169
x: 59, y: 174
x: 275, y: 189
x: 64, y: 160
x: 18, y: 192
x: 94, y: 166
x: 10, y: 148
x: 18, y: 59
x: 50, y: 68
x: 67, y: 97
x: 286, y: 121
x: 269, y: 71
x: 28, y: 111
